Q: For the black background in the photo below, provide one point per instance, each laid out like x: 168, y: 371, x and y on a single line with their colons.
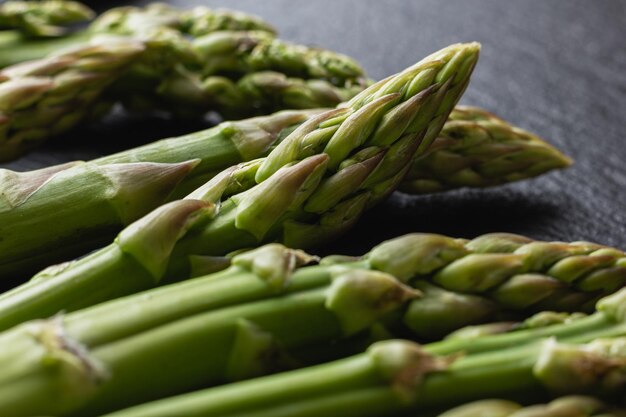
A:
x: 557, y: 68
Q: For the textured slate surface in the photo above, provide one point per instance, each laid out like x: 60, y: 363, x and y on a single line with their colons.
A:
x: 555, y: 68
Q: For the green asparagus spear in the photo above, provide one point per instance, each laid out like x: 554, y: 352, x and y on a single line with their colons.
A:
x: 42, y: 98
x: 42, y: 18
x: 477, y: 149
x: 217, y: 148
x: 539, y: 320
x: 469, y: 282
x: 395, y: 376
x: 571, y: 406
x: 86, y: 204
x: 314, y: 185
x: 127, y: 21
x: 197, y: 21
x: 186, y: 76
x: 239, y: 73
x: 229, y: 326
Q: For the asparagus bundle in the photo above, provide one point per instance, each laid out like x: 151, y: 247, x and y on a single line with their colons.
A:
x: 236, y: 73
x: 311, y: 187
x: 396, y: 376
x: 216, y: 148
x: 572, y: 406
x: 42, y: 18
x: 235, y: 324
x: 222, y: 327
x: 478, y: 149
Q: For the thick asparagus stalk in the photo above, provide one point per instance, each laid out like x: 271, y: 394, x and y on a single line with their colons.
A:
x: 395, y: 376
x: 477, y: 149
x: 58, y: 213
x: 470, y: 282
x: 314, y: 185
x: 229, y: 326
x: 571, y: 406
x: 42, y: 18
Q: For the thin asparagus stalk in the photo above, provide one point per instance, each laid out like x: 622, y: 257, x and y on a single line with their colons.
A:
x: 197, y: 21
x: 542, y: 319
x: 470, y: 282
x: 314, y: 185
x: 571, y: 406
x: 477, y: 149
x: 394, y: 376
x: 229, y: 326
x: 17, y: 47
x: 42, y: 18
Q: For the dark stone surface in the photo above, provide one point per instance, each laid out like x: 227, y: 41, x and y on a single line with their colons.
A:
x: 556, y: 68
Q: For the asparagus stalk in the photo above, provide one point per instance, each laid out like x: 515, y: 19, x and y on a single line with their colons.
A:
x: 35, y: 18
x: 88, y: 203
x: 240, y: 73
x: 181, y: 75
x: 477, y: 149
x: 395, y: 376
x: 42, y: 18
x: 314, y: 185
x: 197, y: 21
x: 228, y: 326
x: 43, y: 98
x: 470, y: 282
x: 574, y: 406
x: 128, y: 21
x: 539, y: 320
